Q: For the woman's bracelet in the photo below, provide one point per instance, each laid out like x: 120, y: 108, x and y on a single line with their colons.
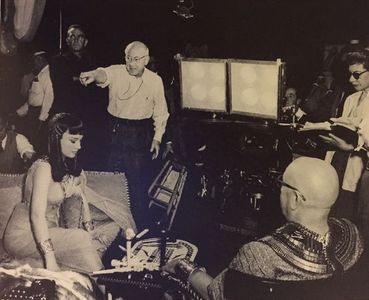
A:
x: 46, y: 246
x: 186, y: 269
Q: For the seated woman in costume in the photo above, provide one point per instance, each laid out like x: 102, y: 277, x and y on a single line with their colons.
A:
x: 54, y: 223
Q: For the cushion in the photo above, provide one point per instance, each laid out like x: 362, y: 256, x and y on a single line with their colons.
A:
x: 108, y: 184
x: 10, y: 194
x: 11, y: 180
x: 40, y: 283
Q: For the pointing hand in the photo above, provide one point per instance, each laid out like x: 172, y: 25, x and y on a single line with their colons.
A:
x: 86, y: 78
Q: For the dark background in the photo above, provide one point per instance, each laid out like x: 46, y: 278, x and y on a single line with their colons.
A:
x: 293, y: 30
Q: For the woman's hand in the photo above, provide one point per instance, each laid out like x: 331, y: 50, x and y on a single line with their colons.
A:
x: 337, y: 142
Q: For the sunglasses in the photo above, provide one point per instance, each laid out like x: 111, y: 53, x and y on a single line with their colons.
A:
x: 357, y: 75
x: 281, y: 183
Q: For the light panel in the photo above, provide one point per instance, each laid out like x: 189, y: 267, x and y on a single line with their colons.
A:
x: 254, y: 88
x: 203, y: 84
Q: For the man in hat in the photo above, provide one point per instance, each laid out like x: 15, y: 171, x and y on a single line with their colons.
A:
x: 40, y: 98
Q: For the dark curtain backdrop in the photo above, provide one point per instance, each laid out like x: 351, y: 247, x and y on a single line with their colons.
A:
x: 294, y: 30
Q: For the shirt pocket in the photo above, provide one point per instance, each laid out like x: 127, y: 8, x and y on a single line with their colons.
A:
x: 149, y: 98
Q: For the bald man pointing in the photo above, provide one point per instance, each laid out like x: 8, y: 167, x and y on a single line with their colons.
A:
x: 138, y: 117
x: 309, y: 246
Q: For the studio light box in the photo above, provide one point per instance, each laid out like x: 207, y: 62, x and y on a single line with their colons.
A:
x: 204, y: 84
x: 255, y: 87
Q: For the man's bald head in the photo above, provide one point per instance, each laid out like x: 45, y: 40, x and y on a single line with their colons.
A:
x: 316, y: 179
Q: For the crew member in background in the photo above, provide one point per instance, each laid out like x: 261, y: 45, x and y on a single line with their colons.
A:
x: 35, y: 110
x: 65, y: 70
x: 290, y: 105
x: 16, y: 153
x: 138, y: 117
x: 86, y: 103
x: 324, y: 100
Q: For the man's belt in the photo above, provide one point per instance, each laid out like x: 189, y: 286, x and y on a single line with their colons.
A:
x: 132, y: 122
x: 34, y: 110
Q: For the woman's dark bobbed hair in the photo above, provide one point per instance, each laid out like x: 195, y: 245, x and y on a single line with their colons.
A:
x: 358, y: 57
x: 57, y: 126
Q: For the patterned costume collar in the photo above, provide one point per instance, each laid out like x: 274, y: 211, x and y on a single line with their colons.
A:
x: 312, y: 252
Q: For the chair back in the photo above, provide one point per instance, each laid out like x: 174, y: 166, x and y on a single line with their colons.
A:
x: 239, y: 286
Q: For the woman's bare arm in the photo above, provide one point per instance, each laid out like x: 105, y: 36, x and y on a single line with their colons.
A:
x: 41, y: 183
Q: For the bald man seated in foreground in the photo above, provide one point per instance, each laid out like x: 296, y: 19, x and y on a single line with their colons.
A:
x: 309, y: 246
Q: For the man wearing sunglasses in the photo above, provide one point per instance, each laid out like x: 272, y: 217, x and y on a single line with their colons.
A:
x: 309, y: 246
x: 138, y: 117
x: 349, y: 160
